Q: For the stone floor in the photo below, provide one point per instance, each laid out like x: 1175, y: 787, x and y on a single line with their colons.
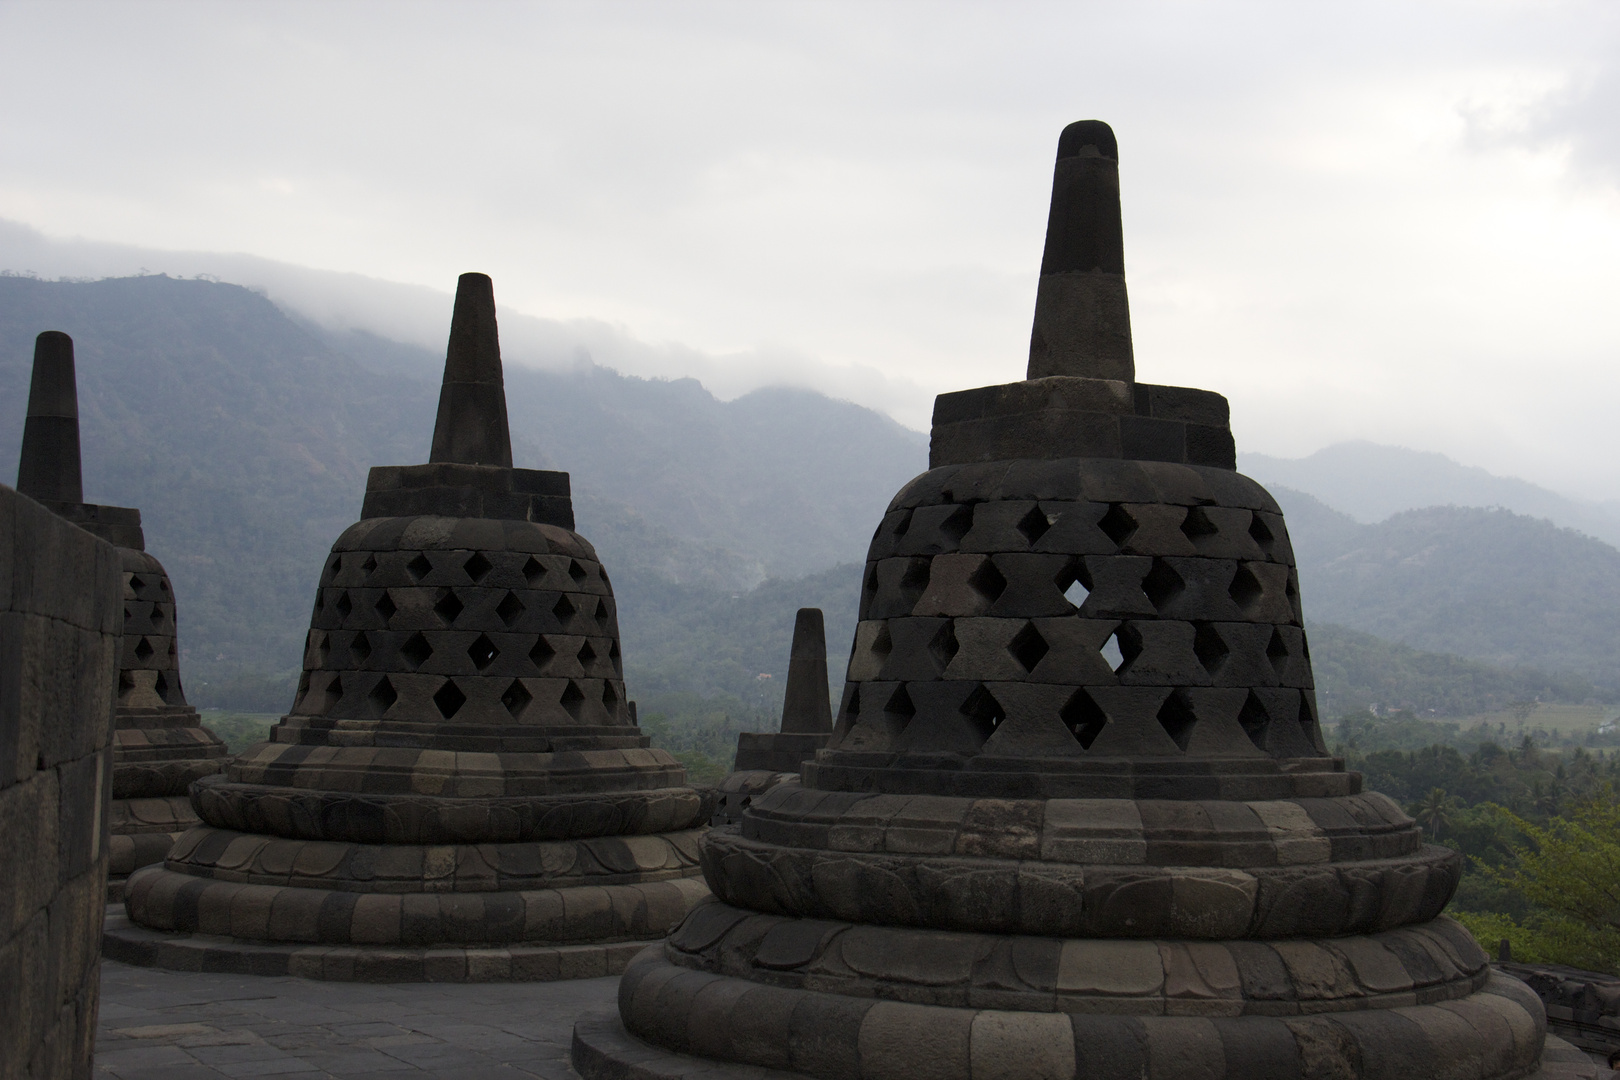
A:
x: 165, y: 1025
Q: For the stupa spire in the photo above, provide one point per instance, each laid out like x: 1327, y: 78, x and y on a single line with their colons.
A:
x: 1082, y: 319
x: 49, y: 470
x: 472, y: 427
x: 806, y: 707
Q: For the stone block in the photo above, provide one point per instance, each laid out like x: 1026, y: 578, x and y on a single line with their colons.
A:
x: 1022, y: 1046
x: 898, y: 1039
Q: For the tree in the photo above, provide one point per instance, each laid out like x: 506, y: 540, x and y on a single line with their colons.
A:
x: 1570, y: 869
x: 1433, y: 811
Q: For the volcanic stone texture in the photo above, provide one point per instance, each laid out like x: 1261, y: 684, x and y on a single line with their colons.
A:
x: 1076, y: 820
x: 59, y: 635
x: 460, y: 789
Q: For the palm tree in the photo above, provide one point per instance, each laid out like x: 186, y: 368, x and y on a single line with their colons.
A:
x: 1434, y: 810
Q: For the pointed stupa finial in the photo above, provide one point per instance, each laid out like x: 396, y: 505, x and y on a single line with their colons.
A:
x: 807, y: 704
x: 1082, y: 319
x: 49, y: 469
x: 472, y: 427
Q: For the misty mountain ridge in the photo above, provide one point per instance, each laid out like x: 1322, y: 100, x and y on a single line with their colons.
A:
x: 1370, y: 482
x: 245, y: 434
x: 245, y: 437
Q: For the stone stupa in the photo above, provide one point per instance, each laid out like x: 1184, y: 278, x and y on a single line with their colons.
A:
x: 1077, y: 819
x: 460, y: 791
x: 159, y: 744
x: 764, y: 759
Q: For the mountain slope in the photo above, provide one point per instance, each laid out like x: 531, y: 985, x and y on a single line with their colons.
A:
x: 1489, y: 585
x: 1370, y: 482
x: 245, y: 436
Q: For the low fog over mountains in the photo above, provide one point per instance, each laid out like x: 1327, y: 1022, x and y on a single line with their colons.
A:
x: 244, y: 435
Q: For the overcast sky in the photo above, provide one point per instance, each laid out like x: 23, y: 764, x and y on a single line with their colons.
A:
x: 1390, y: 221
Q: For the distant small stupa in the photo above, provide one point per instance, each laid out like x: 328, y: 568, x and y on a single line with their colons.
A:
x: 160, y: 745
x: 766, y: 758
x: 460, y: 791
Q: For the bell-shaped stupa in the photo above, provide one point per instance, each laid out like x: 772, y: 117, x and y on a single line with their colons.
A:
x: 159, y: 744
x: 766, y: 758
x: 1077, y: 819
x: 460, y: 791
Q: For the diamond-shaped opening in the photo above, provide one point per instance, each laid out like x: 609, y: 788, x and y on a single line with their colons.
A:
x: 1117, y: 524
x: 143, y: 649
x: 542, y: 653
x: 334, y: 693
x: 944, y: 647
x: 369, y: 565
x: 1075, y: 583
x: 1196, y: 525
x: 344, y: 605
x: 902, y: 526
x: 1277, y: 652
x: 482, y: 652
x: 157, y: 615
x: 1177, y: 718
x: 987, y: 581
x: 572, y: 699
x: 337, y: 564
x: 382, y: 697
x: 449, y: 699
x: 914, y: 580
x: 882, y: 644
x: 135, y: 585
x: 385, y: 606
x: 477, y: 567
x: 576, y: 571
x: 1254, y: 720
x: 516, y: 698
x: 870, y: 587
x: 1084, y: 718
x: 983, y: 711
x: 610, y: 696
x: 1261, y: 532
x: 1034, y: 524
x: 303, y: 683
x: 324, y: 649
x: 320, y: 601
x: 1028, y: 647
x: 126, y: 683
x: 564, y: 609
x: 510, y: 609
x: 163, y: 584
x: 360, y: 647
x: 127, y: 615
x: 415, y: 651
x: 172, y: 651
x: 585, y: 655
x: 1112, y: 652
x: 1304, y: 647
x: 897, y: 711
x: 533, y: 570
x: 852, y: 708
x: 957, y: 523
x: 1291, y: 590
x: 601, y: 611
x: 1210, y: 648
x: 449, y: 606
x: 1245, y: 589
x: 419, y: 567
x: 1162, y: 584
x: 161, y: 686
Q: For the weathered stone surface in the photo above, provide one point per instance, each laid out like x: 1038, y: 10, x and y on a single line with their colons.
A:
x: 59, y: 634
x: 1077, y: 803
x: 460, y: 772
x: 159, y: 744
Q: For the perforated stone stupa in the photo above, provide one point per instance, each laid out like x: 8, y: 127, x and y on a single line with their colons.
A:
x: 765, y: 758
x: 159, y: 743
x: 1077, y: 818
x: 460, y: 791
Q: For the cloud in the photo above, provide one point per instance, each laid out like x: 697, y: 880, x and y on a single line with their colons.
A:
x: 1393, y: 221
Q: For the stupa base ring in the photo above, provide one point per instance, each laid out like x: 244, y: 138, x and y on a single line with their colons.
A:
x: 603, y: 1050
x: 723, y: 1026
x: 129, y: 943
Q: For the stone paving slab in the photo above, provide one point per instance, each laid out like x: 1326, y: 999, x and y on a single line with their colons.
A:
x: 167, y: 1025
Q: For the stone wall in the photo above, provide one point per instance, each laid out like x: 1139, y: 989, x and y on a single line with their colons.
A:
x: 60, y: 627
